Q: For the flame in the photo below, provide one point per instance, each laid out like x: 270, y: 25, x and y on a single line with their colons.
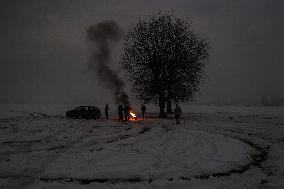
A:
x: 134, y: 117
x: 133, y: 114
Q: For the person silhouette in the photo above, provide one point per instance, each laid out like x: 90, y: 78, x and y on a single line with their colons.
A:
x: 143, y: 110
x: 177, y: 112
x: 126, y: 112
x: 106, y: 111
x: 120, y: 112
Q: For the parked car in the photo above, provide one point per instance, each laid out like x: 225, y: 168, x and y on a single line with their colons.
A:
x: 86, y: 112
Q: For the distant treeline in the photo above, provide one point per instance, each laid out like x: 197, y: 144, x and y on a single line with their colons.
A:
x: 271, y: 101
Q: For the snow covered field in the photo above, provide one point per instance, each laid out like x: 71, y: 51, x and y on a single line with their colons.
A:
x: 213, y: 147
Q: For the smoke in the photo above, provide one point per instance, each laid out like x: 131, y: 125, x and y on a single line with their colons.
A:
x: 103, y: 37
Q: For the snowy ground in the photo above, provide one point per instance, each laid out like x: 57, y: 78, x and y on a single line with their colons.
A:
x: 213, y: 147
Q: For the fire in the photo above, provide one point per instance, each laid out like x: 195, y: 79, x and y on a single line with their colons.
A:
x: 133, y: 115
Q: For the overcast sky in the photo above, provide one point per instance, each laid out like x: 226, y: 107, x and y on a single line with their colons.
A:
x: 43, y: 50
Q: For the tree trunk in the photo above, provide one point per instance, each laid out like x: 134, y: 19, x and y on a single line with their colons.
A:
x: 162, y: 108
x: 169, y: 107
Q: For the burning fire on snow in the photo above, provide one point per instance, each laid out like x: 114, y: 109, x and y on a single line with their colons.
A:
x: 134, y: 117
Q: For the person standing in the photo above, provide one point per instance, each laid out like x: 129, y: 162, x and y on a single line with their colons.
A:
x: 177, y: 112
x: 143, y: 110
x: 126, y: 112
x: 106, y: 111
x: 120, y: 112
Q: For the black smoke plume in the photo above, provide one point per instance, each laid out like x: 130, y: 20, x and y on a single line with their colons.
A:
x: 104, y: 36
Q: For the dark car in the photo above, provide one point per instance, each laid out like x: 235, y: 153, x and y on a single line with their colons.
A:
x: 87, y: 112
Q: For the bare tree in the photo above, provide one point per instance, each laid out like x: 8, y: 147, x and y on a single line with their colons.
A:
x: 164, y: 58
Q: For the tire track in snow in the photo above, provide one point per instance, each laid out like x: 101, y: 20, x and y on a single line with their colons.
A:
x: 257, y: 160
x: 28, y: 175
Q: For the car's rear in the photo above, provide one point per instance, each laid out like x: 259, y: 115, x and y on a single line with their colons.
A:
x: 97, y: 113
x: 94, y: 112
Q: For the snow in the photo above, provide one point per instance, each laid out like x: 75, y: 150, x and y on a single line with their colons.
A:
x: 213, y: 147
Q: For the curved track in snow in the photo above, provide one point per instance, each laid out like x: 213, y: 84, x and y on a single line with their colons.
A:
x: 49, y: 151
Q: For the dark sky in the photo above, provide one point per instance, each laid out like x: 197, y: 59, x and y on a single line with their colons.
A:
x: 43, y: 50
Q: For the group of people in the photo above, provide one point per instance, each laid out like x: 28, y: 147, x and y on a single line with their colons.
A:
x: 126, y: 109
